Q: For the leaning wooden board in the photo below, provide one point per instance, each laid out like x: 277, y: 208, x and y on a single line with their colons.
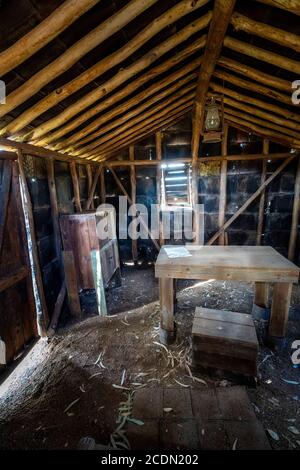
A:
x: 259, y: 264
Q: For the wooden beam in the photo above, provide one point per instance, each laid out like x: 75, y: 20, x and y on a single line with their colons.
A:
x: 162, y: 109
x: 42, y: 312
x: 125, y: 91
x: 36, y: 151
x: 250, y: 157
x: 90, y: 182
x: 52, y: 99
x: 223, y: 184
x: 220, y: 20
x: 260, y: 54
x: 137, y: 114
x: 295, y: 218
x: 292, y: 6
x: 102, y: 185
x: 57, y: 310
x: 292, y: 127
x: 262, y: 202
x: 265, y: 31
x: 159, y: 196
x: 71, y: 56
x: 54, y: 211
x: 86, y: 134
x: 288, y: 116
x: 4, y: 197
x: 76, y: 189
x: 249, y: 126
x: 11, y: 280
x: 253, y: 87
x: 8, y: 155
x: 149, y: 130
x: 250, y: 200
x: 254, y: 74
x: 71, y: 283
x: 262, y: 122
x: 43, y: 33
x: 166, y: 114
x: 93, y: 188
x: 134, y: 247
x: 121, y: 187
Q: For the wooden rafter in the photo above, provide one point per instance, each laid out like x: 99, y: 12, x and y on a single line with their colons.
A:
x: 261, y: 54
x: 263, y: 30
x: 147, y: 131
x: 248, y: 126
x: 52, y: 99
x: 73, y: 55
x: 183, y: 105
x: 89, y: 132
x: 124, y: 92
x: 255, y: 74
x: 292, y: 6
x: 222, y: 12
x: 278, y: 130
x: 161, y: 109
x: 43, y: 33
x: 221, y: 17
x: 291, y: 117
x: 254, y: 87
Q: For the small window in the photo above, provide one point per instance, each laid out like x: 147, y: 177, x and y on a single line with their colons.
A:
x: 176, y: 184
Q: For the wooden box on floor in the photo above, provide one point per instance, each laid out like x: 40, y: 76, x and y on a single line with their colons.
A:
x: 225, y: 341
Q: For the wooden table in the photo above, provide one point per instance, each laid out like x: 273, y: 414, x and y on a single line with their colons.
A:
x: 262, y: 265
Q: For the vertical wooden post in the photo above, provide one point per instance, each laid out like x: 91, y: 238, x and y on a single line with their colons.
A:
x: 295, y: 219
x: 75, y: 186
x: 71, y: 283
x: 98, y: 281
x: 102, y: 185
x: 134, y: 247
x: 24, y: 248
x: 261, y: 211
x: 93, y: 188
x: 41, y: 306
x: 90, y: 182
x: 4, y: 196
x: 54, y: 208
x: 196, y: 218
x: 159, y: 196
x: 223, y: 184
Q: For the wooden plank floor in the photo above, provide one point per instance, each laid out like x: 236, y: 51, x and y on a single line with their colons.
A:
x: 211, y: 419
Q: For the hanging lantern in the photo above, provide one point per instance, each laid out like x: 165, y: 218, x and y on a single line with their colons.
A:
x: 213, y: 120
x: 213, y: 124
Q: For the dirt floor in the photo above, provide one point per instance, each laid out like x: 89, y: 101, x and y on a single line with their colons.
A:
x: 68, y: 387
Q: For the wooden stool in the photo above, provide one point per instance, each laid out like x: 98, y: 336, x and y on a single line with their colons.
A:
x: 225, y: 340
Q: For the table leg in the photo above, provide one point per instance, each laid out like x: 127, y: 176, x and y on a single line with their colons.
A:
x: 261, y: 294
x: 167, y: 296
x: 280, y: 309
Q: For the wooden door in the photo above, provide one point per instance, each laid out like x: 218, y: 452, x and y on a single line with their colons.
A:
x: 17, y: 307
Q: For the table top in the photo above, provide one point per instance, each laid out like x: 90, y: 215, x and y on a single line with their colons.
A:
x: 240, y: 263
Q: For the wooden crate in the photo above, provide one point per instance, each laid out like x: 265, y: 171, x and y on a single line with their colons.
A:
x: 79, y: 235
x: 225, y: 340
